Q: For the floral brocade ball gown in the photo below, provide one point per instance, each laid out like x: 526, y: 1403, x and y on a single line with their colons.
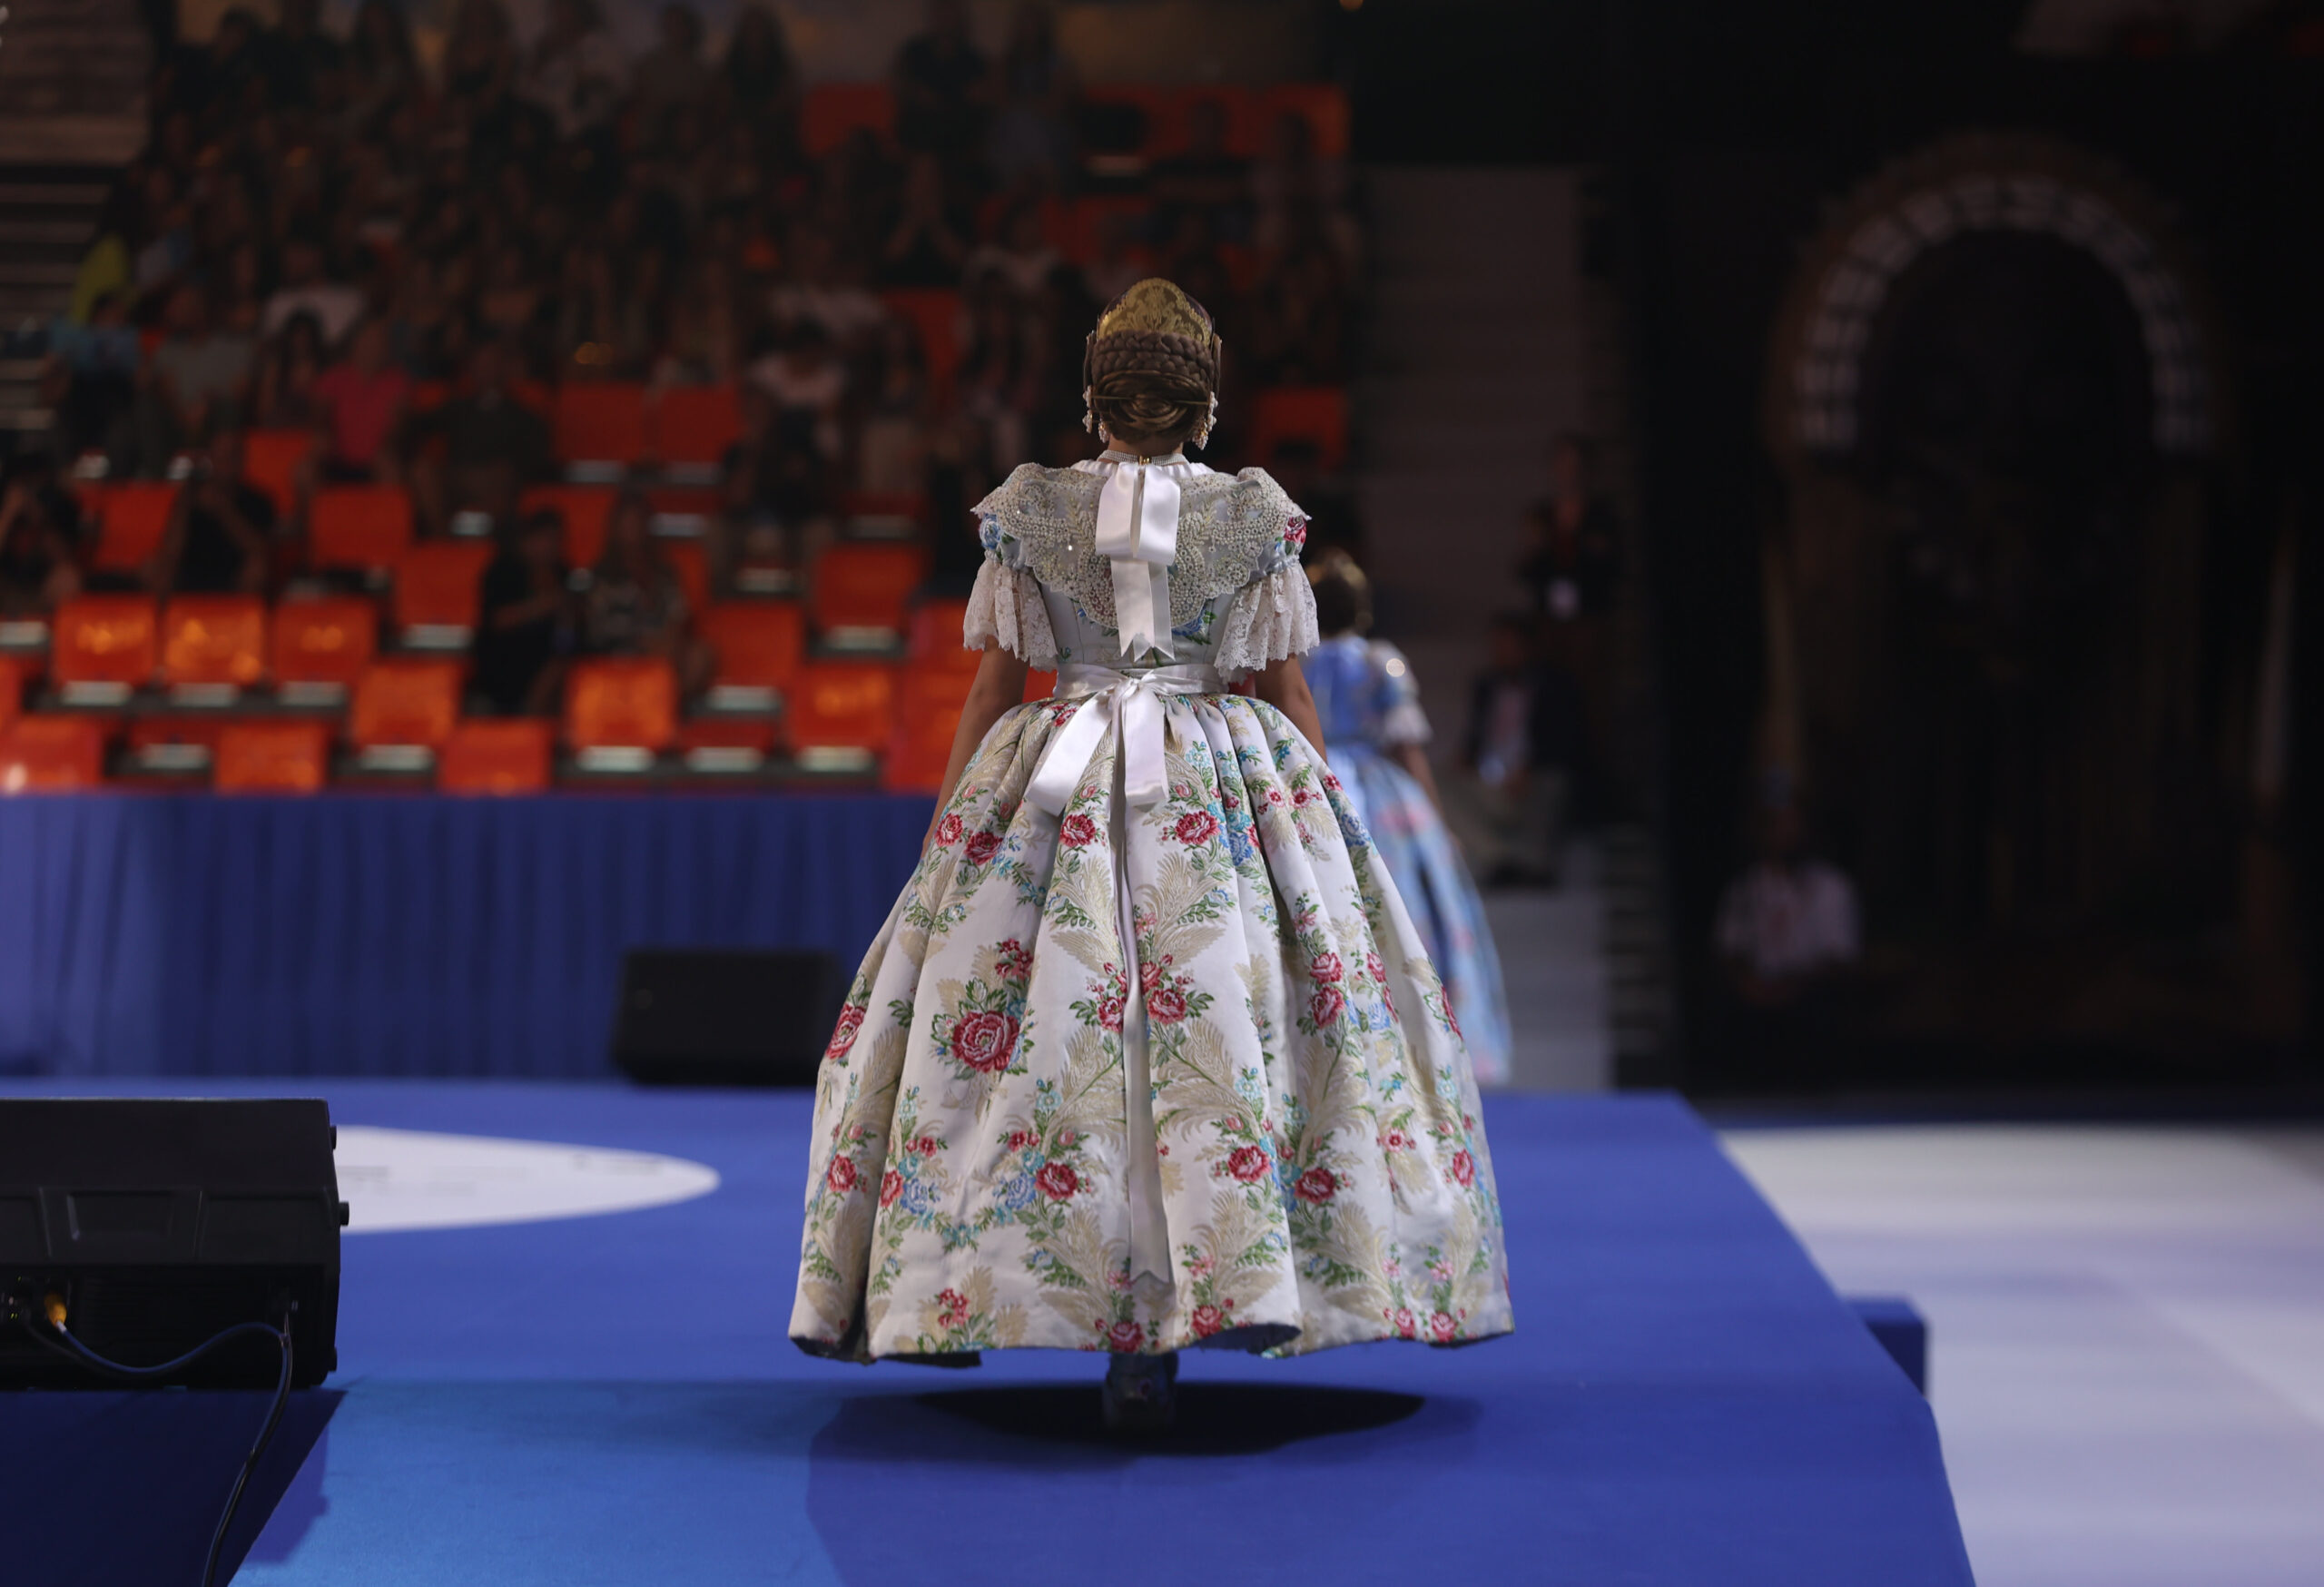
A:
x: 1369, y: 704
x: 1148, y: 1054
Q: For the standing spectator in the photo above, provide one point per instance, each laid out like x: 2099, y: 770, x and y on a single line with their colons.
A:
x: 494, y: 445
x: 303, y: 61
x: 673, y: 76
x: 307, y: 290
x: 525, y: 632
x: 635, y: 604
x: 758, y: 80
x: 1300, y: 320
x: 1203, y: 179
x: 1505, y: 805
x: 39, y: 543
x: 1572, y: 571
x: 1021, y: 256
x: 196, y: 380
x: 940, y: 78
x: 1787, y: 937
x: 382, y: 69
x: 1296, y: 194
x: 220, y: 529
x: 1031, y: 143
x: 807, y: 385
x: 576, y: 72
x: 363, y: 401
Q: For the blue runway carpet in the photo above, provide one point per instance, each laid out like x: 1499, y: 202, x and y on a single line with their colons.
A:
x: 611, y: 1399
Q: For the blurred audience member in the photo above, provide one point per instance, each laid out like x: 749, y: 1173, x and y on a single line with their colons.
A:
x: 1203, y: 179
x: 197, y: 378
x: 39, y: 542
x: 574, y: 71
x: 90, y: 380
x: 293, y: 366
x: 526, y: 627
x: 1118, y: 264
x: 1297, y: 195
x: 307, y: 290
x: 635, y: 604
x: 927, y: 239
x: 1031, y: 141
x: 493, y: 444
x: 1022, y: 255
x: 673, y: 77
x: 807, y: 385
x: 221, y: 529
x: 1787, y: 936
x: 939, y: 80
x: 362, y: 401
x: 1506, y: 803
x: 756, y: 76
x: 1573, y: 569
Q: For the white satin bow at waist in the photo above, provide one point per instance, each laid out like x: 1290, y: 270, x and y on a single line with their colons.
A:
x: 1127, y: 702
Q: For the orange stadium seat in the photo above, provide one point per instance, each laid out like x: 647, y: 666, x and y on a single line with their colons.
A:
x: 587, y: 508
x: 103, y: 647
x: 695, y: 424
x: 271, y: 757
x: 627, y: 703
x: 860, y: 591
x: 131, y: 519
x: 927, y: 716
x: 843, y: 706
x: 440, y: 589
x: 322, y: 646
x: 935, y: 315
x: 405, y: 703
x: 1312, y: 413
x: 50, y: 754
x: 601, y: 422
x: 759, y: 647
x: 271, y: 460
x: 835, y: 112
x: 508, y: 756
x: 933, y: 640
x: 213, y: 643
x: 11, y: 690
x: 1324, y: 106
x: 366, y: 527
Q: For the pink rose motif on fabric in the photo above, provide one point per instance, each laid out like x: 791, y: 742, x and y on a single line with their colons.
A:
x: 925, y: 1145
x: 1196, y: 826
x: 983, y: 1041
x: 1444, y: 1326
x: 1125, y: 1336
x: 1167, y: 1003
x: 1078, y: 830
x: 1206, y: 1321
x: 1374, y: 969
x: 891, y: 1185
x: 1326, y: 1004
x: 982, y: 847
x: 1402, y: 1320
x: 1324, y: 968
x: 1019, y: 1139
x: 952, y: 1308
x: 1317, y: 1185
x: 841, y: 1174
x: 1057, y: 1181
x: 1465, y: 1169
x: 1014, y: 962
x: 1248, y: 1163
x: 851, y: 1020
x: 948, y: 831
x: 1295, y: 533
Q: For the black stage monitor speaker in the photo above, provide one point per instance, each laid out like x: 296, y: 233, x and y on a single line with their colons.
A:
x: 157, y: 1225
x: 725, y: 1018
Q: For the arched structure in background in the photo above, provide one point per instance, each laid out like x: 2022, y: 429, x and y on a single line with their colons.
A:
x: 1997, y: 663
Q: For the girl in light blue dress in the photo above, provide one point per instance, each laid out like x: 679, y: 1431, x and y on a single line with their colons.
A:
x: 1369, y: 704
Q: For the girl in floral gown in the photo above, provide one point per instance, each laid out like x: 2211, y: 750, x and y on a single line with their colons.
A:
x: 1148, y: 1054
x: 1368, y: 703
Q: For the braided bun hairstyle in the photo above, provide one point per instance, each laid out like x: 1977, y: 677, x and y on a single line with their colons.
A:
x: 1151, y: 368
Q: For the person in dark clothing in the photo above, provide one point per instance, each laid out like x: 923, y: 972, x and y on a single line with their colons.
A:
x: 494, y: 445
x: 39, y: 543
x: 1573, y: 572
x: 1202, y: 178
x: 939, y: 79
x: 1506, y: 803
x: 221, y: 530
x: 301, y: 62
x: 527, y: 629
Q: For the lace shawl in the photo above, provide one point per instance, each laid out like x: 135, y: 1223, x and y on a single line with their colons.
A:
x: 1239, y: 536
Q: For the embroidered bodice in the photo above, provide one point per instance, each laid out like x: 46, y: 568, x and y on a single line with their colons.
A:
x: 1205, y: 564
x: 1365, y: 693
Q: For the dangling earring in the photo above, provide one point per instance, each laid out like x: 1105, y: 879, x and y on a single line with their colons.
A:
x: 1089, y: 413
x: 1209, y: 423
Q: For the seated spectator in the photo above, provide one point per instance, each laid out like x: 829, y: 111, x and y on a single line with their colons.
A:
x: 1203, y: 179
x: 939, y: 79
x: 895, y: 417
x: 382, y: 68
x: 1299, y: 322
x: 93, y: 380
x: 168, y: 246
x: 196, y: 380
x: 807, y: 385
x: 1296, y: 193
x: 39, y: 543
x: 301, y: 62
x: 994, y: 387
x: 1787, y: 938
x: 636, y: 604
x: 671, y: 76
x: 362, y: 400
x: 704, y: 335
x: 820, y: 291
x: 1031, y: 143
x: 1118, y: 263
x: 287, y: 379
x: 222, y: 530
x: 777, y: 495
x: 576, y: 71
x: 306, y: 289
x: 1506, y: 803
x: 927, y: 239
x: 492, y: 446
x: 1021, y: 256
x: 526, y: 629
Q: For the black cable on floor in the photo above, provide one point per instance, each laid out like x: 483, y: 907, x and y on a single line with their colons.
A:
x: 63, y: 1344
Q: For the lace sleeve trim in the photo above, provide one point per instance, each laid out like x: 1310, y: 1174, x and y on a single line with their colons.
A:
x: 1006, y: 609
x: 1270, y: 619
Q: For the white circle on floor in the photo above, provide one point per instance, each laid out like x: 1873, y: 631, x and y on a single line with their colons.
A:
x: 394, y: 1179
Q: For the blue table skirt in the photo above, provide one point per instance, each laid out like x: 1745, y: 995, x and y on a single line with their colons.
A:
x: 401, y: 934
